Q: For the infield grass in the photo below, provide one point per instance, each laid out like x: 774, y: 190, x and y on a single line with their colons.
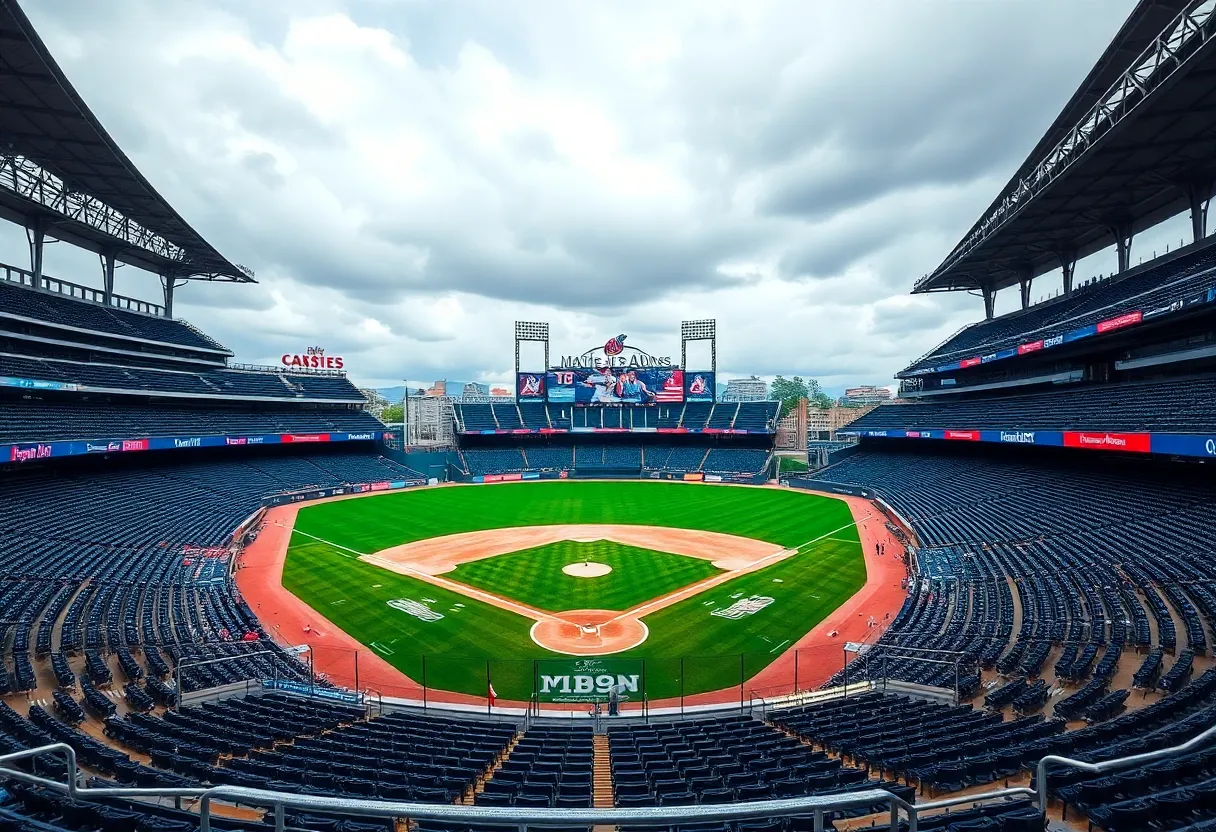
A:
x: 534, y: 576
x: 474, y: 639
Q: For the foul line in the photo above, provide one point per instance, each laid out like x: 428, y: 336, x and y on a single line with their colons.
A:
x: 330, y: 543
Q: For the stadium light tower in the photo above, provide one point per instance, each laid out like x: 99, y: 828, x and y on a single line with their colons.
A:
x: 705, y: 330
x: 537, y: 331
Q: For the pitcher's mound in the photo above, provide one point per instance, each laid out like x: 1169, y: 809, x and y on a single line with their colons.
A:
x: 587, y: 569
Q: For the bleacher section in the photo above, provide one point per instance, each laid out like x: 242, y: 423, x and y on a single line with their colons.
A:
x: 213, y: 383
x: 739, y: 417
x: 617, y: 458
x: 1148, y: 289
x: 45, y: 421
x: 721, y: 760
x: 1099, y: 557
x: 104, y: 548
x: 62, y: 312
x: 1172, y: 406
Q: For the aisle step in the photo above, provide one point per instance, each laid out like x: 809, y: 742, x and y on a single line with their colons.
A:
x: 601, y: 772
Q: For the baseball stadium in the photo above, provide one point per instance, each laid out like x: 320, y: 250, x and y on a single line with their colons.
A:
x: 234, y: 598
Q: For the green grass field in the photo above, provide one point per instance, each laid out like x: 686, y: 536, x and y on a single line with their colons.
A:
x: 474, y: 638
x: 534, y: 576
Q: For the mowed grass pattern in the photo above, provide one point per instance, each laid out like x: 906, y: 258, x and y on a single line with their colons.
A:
x: 534, y: 576
x: 476, y: 639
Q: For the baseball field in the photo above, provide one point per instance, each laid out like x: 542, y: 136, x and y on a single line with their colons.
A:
x: 461, y: 587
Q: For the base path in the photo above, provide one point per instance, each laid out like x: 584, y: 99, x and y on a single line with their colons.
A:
x: 352, y: 664
x: 437, y: 555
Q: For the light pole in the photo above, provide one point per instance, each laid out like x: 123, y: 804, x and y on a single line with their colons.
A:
x: 405, y: 415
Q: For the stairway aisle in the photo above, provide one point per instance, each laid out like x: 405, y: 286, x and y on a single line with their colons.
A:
x: 601, y: 773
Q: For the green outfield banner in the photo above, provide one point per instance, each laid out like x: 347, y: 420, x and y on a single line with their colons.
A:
x: 589, y: 679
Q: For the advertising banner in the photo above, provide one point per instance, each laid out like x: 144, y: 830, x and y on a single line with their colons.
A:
x: 965, y: 435
x: 30, y: 451
x: 646, y: 385
x: 1120, y: 321
x: 1134, y: 442
x: 699, y: 386
x: 530, y: 387
x: 1180, y: 444
x: 564, y: 681
x: 35, y: 383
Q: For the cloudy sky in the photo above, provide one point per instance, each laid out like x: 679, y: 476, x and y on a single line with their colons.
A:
x: 408, y: 177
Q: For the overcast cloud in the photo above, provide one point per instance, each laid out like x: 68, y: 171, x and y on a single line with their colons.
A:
x: 408, y: 177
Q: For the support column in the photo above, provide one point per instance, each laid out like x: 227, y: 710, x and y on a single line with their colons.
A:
x: 1068, y: 264
x: 989, y: 302
x: 1024, y: 283
x: 169, y: 283
x: 1123, y: 244
x: 35, y: 233
x: 1197, y: 196
x: 107, y: 275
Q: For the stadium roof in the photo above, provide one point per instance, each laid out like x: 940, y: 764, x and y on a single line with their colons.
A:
x: 1137, y: 133
x: 58, y: 163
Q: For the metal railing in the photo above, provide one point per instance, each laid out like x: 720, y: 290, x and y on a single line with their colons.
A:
x: 820, y: 808
x: 277, y: 803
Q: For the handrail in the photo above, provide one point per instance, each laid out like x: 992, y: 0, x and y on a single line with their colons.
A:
x: 1117, y: 763
x: 817, y: 806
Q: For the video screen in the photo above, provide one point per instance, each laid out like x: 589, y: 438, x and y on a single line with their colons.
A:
x: 616, y: 385
x: 530, y: 387
x: 699, y: 386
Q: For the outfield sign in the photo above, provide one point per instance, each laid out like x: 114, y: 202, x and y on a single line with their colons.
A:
x: 588, y: 680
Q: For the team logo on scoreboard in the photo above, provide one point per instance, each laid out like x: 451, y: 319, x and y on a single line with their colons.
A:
x: 530, y: 385
x: 615, y: 346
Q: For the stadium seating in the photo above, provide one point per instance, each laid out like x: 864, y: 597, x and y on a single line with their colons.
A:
x: 721, y: 760
x: 45, y: 421
x: 1113, y: 574
x: 136, y: 556
x: 735, y: 460
x: 60, y: 310
x: 1173, y: 405
x: 216, y: 383
x: 1150, y: 288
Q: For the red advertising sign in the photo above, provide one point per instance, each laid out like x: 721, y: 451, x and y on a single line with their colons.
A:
x: 1031, y: 347
x: 1120, y: 321
x: 313, y: 358
x: 1133, y: 442
x: 304, y: 437
x: 969, y: 362
x: 966, y: 435
x: 135, y: 444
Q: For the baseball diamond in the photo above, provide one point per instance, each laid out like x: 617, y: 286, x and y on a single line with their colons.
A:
x: 458, y: 586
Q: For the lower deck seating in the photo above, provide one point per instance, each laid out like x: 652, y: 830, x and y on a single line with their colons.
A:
x: 130, y: 556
